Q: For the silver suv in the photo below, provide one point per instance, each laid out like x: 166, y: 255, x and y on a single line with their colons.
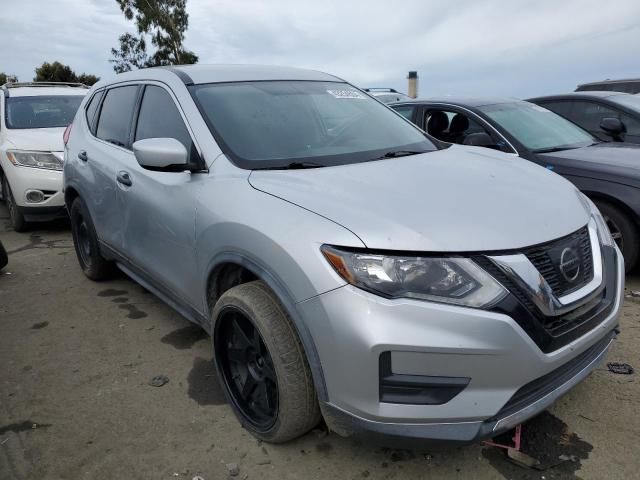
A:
x: 344, y: 263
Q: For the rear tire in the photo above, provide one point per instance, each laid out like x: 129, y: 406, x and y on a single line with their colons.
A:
x: 257, y: 350
x: 623, y: 231
x: 17, y: 219
x: 86, y: 243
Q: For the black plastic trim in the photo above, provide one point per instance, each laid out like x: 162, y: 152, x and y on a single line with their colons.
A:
x: 416, y: 389
x: 542, y: 386
x: 42, y: 214
x: 186, y: 79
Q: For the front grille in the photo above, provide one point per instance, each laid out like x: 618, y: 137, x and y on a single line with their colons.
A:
x: 553, y: 332
x: 546, y: 259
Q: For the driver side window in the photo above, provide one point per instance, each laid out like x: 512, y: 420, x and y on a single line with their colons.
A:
x: 159, y: 118
x: 456, y: 127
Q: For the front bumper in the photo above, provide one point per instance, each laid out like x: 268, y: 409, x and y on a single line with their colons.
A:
x: 23, y: 179
x: 511, y: 378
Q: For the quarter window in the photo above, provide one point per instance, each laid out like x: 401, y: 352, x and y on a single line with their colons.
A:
x: 159, y: 118
x: 115, y: 115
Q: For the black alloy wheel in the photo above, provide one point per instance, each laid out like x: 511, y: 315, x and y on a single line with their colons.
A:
x: 84, y: 244
x: 247, y: 368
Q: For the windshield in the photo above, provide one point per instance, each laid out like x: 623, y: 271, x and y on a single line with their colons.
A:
x: 632, y: 102
x: 537, y: 128
x: 271, y: 124
x: 42, y: 111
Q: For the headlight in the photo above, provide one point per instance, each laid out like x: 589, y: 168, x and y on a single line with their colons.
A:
x: 453, y: 280
x: 603, y: 230
x: 44, y: 160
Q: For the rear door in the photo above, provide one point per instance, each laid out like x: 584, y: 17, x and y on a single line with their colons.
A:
x: 107, y: 152
x: 158, y: 207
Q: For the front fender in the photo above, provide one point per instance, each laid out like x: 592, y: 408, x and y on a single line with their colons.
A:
x: 278, y: 242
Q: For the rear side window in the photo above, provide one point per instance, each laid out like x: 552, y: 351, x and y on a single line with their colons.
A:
x: 159, y: 118
x: 91, y: 110
x: 115, y: 115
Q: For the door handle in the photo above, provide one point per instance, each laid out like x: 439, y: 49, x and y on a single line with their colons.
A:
x: 83, y: 156
x: 124, y: 178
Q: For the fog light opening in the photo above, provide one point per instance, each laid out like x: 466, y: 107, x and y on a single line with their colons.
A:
x: 34, y: 196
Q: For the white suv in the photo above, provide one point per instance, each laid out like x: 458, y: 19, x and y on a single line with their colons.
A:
x: 32, y: 121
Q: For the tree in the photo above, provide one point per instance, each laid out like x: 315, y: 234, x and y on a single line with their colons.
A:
x: 54, y: 72
x: 164, y: 23
x: 57, y: 72
x: 87, y: 78
x: 132, y: 54
x: 5, y: 78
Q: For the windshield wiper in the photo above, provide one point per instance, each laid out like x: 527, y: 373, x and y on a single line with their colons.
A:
x: 558, y: 149
x: 399, y: 153
x: 295, y: 166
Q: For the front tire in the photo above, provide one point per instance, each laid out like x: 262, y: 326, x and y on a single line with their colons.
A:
x: 623, y: 231
x: 85, y: 241
x: 17, y: 219
x: 261, y: 364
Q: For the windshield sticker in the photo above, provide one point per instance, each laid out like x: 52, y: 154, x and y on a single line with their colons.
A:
x: 346, y: 93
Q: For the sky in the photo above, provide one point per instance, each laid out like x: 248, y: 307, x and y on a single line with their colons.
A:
x: 482, y: 47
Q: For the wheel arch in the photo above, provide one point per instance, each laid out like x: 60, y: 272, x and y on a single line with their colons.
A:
x: 70, y: 194
x: 243, y: 269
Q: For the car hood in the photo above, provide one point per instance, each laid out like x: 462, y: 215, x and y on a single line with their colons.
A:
x: 41, y: 139
x: 614, y: 161
x: 461, y: 199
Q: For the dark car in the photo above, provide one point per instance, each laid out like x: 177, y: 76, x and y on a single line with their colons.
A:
x: 608, y: 173
x: 607, y: 115
x: 627, y: 85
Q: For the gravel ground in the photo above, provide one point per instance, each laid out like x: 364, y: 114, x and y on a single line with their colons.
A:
x: 75, y: 401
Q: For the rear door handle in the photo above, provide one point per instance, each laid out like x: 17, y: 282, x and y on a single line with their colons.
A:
x: 83, y: 156
x: 124, y: 178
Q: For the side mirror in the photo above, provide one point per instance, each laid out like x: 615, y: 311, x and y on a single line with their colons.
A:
x: 160, y: 153
x: 480, y: 139
x: 612, y: 125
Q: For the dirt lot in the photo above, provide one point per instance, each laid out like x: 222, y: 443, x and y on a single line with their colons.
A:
x: 75, y: 401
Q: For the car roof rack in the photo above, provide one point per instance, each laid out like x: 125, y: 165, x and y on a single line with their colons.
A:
x: 8, y: 85
x: 380, y: 89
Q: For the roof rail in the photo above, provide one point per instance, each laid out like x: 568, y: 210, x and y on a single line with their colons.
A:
x: 44, y: 84
x: 380, y: 89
